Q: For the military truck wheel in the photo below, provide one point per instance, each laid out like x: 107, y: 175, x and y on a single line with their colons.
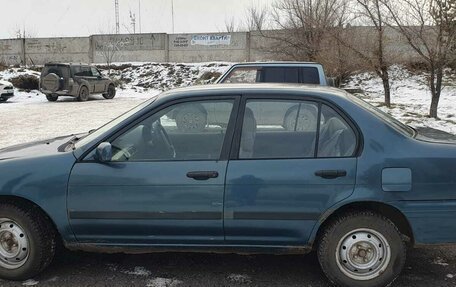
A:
x: 111, y: 93
x: 52, y: 98
x: 27, y: 242
x: 83, y: 94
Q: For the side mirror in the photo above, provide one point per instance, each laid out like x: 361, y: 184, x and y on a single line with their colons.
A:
x: 103, y: 152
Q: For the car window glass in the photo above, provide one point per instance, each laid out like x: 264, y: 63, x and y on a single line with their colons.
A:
x: 310, y: 75
x: 185, y: 131
x: 279, y: 129
x: 280, y: 75
x: 60, y: 71
x: 243, y: 75
x: 337, y: 138
x: 95, y: 72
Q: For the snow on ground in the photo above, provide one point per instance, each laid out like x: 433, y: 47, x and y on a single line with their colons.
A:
x: 410, y: 97
x: 29, y: 116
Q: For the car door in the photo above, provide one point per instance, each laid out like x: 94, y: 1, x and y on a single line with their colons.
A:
x: 98, y: 80
x: 164, y: 183
x: 280, y: 181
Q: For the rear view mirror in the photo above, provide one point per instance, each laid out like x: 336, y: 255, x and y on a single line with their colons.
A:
x: 104, y: 152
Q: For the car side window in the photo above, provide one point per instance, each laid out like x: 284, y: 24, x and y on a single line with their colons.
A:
x: 279, y: 129
x: 185, y: 131
x: 280, y: 75
x: 243, y: 75
x: 95, y: 72
x: 336, y: 138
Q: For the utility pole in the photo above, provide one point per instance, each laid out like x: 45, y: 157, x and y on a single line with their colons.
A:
x: 116, y: 4
x: 139, y: 16
x: 172, y: 14
x: 133, y: 21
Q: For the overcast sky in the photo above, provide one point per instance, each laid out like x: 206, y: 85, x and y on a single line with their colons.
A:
x: 55, y: 18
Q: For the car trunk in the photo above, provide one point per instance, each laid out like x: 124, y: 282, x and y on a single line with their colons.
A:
x: 434, y: 135
x: 63, y: 73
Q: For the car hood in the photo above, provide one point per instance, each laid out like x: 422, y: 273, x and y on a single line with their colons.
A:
x: 35, y: 149
x: 434, y: 135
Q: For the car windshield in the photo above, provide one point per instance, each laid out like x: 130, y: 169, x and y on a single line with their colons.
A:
x: 94, y: 134
x: 394, y: 123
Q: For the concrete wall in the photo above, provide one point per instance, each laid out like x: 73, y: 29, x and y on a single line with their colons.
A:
x: 129, y: 48
x: 11, y: 51
x: 189, y: 48
x: 42, y: 50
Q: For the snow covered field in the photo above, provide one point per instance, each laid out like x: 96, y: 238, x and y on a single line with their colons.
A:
x: 29, y: 116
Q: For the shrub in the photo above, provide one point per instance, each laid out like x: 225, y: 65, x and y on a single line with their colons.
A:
x: 208, y: 78
x: 25, y: 82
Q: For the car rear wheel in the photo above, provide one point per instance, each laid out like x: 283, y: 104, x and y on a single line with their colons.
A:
x: 361, y: 249
x: 111, y: 93
x: 27, y: 242
x: 83, y: 94
x: 52, y: 98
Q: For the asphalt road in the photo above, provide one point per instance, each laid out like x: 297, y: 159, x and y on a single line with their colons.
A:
x: 425, y: 267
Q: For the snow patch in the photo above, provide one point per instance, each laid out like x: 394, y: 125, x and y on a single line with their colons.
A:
x: 239, y: 278
x: 163, y: 282
x: 138, y: 271
x: 30, y: 282
x: 439, y: 261
x: 450, y: 276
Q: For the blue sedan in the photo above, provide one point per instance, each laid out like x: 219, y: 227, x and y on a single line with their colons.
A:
x: 262, y: 168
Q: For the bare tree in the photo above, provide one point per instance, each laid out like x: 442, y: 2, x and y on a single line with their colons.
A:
x: 371, y: 14
x: 256, y: 17
x: 429, y: 28
x: 230, y: 25
x: 108, y: 48
x: 305, y: 22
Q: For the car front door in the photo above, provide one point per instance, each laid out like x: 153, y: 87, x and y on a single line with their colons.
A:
x: 164, y: 183
x: 99, y: 84
x: 281, y: 180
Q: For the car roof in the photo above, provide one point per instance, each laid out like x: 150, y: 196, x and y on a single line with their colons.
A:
x: 277, y: 63
x: 66, y: 64
x: 255, y: 88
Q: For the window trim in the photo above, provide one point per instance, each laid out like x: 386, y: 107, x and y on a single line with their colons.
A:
x: 235, y: 147
x: 224, y: 153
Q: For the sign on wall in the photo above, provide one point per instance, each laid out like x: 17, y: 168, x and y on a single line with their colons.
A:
x: 211, y: 40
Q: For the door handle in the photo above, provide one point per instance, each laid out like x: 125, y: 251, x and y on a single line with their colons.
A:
x: 202, y: 175
x: 331, y: 174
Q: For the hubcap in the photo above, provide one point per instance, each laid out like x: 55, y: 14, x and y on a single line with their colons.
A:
x: 363, y: 254
x: 14, y: 244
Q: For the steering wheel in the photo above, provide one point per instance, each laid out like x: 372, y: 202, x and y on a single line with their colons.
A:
x: 159, y: 137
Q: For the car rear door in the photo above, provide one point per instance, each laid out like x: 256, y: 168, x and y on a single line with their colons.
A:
x: 280, y: 181
x: 164, y: 184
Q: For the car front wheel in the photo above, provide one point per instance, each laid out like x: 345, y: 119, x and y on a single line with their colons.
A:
x: 361, y: 249
x: 111, y: 92
x: 27, y: 242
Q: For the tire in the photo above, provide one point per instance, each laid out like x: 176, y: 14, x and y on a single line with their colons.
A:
x: 361, y: 249
x: 111, y: 93
x: 191, y: 118
x: 34, y: 237
x: 52, y: 98
x: 83, y: 94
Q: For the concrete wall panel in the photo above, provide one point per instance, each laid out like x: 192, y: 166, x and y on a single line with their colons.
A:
x: 41, y: 50
x: 11, y: 51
